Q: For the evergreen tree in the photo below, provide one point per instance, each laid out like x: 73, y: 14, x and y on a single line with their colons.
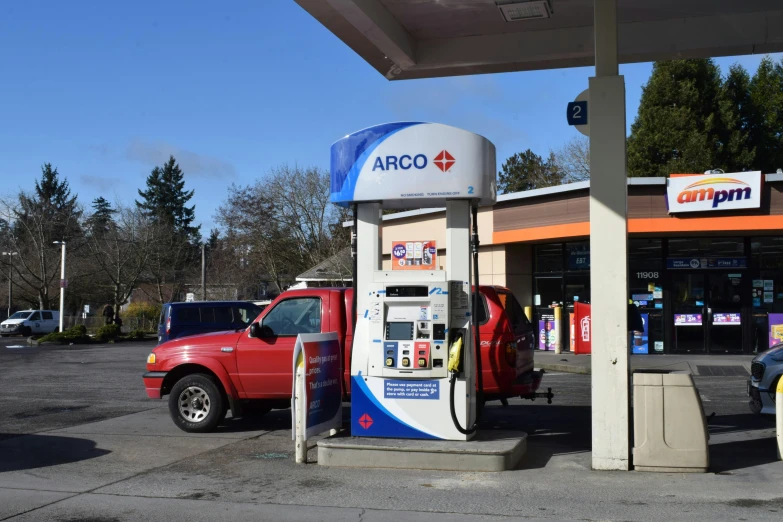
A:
x: 102, y: 216
x: 50, y: 213
x: 678, y: 127
x: 214, y: 238
x: 165, y: 200
x: 766, y: 95
x: 527, y: 171
x: 737, y: 152
x: 51, y: 204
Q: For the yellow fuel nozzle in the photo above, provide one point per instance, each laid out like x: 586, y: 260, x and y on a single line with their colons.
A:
x: 454, y: 355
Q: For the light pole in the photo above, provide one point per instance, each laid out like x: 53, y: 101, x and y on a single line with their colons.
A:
x: 10, y: 274
x: 63, y: 283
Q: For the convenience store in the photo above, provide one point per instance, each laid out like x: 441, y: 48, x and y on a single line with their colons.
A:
x: 707, y: 280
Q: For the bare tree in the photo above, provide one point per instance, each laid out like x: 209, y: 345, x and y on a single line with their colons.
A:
x: 573, y: 159
x: 283, y: 224
x: 121, y: 250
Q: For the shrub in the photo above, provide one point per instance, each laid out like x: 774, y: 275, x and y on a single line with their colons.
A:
x: 107, y: 333
x: 144, y: 312
x: 76, y: 334
x: 137, y: 335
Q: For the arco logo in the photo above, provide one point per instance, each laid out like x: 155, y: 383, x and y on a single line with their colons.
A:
x: 702, y: 191
x: 443, y: 160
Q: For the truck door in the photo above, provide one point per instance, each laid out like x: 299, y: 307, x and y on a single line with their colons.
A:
x: 265, y: 364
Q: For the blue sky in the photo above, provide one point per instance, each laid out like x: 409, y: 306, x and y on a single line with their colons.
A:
x: 107, y: 90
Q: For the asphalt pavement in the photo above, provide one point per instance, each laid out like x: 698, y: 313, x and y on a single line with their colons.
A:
x: 83, y: 443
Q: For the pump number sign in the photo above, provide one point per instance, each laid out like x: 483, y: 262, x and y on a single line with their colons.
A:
x: 414, y: 255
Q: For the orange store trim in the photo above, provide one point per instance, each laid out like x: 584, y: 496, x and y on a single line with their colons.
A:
x: 645, y: 225
x: 538, y: 233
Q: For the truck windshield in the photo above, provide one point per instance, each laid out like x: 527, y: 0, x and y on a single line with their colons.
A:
x: 20, y: 315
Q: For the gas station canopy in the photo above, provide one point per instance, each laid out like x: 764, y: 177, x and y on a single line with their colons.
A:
x: 406, y: 39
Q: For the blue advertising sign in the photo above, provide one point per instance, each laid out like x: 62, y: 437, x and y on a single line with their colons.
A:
x: 698, y: 263
x: 641, y: 341
x: 320, y: 356
x: 579, y: 259
x: 396, y: 389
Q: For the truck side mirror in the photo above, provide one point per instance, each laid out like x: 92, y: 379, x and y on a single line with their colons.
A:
x: 258, y: 330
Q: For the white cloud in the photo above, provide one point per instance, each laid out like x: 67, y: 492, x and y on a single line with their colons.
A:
x: 192, y: 163
x: 97, y: 182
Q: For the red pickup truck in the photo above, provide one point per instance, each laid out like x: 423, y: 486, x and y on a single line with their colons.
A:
x: 206, y: 375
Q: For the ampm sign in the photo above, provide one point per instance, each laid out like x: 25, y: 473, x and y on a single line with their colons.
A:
x: 710, y: 192
x: 413, y: 165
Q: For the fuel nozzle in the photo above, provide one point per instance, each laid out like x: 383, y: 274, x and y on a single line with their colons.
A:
x: 455, y: 356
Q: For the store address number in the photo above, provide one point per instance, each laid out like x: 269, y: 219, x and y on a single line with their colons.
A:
x: 647, y: 275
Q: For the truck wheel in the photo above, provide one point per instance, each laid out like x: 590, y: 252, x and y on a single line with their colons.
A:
x: 27, y: 331
x: 196, y: 403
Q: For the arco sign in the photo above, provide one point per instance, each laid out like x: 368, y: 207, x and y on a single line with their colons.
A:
x: 710, y: 192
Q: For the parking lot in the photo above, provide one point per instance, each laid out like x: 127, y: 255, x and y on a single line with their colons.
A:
x: 80, y: 441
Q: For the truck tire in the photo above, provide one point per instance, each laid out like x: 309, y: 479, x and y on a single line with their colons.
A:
x: 27, y: 331
x: 196, y: 403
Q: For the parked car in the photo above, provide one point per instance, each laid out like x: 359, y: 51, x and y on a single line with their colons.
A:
x: 206, y: 375
x: 199, y: 317
x: 765, y: 372
x: 28, y: 322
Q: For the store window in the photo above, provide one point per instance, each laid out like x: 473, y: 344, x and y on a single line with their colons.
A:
x: 578, y: 256
x: 549, y: 258
x: 577, y: 288
x: 766, y: 291
x: 706, y: 247
x: 548, y: 290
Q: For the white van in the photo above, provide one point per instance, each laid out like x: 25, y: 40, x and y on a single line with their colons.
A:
x: 28, y: 322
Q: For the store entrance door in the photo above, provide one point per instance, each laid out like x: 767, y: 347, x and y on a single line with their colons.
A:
x: 707, y: 312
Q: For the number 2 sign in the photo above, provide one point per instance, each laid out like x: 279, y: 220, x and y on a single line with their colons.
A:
x: 576, y: 113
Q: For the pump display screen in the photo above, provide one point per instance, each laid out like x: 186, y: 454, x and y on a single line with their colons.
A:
x: 399, y: 331
x: 406, y: 291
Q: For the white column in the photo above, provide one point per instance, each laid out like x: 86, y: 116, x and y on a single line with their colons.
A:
x: 458, y: 271
x: 62, y: 287
x: 368, y: 248
x: 608, y: 249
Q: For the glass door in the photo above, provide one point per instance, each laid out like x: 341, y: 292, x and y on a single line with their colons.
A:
x: 689, y: 312
x: 724, y: 312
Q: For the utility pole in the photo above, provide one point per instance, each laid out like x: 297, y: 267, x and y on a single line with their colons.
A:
x: 63, y: 284
x: 203, y: 272
x: 10, y: 275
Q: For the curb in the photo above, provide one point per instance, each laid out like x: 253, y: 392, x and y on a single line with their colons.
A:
x: 566, y: 368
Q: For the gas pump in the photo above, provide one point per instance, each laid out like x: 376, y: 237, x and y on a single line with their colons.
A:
x: 413, y: 365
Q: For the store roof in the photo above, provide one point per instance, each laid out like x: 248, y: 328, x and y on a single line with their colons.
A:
x: 339, y: 267
x: 546, y: 191
x: 405, y: 39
